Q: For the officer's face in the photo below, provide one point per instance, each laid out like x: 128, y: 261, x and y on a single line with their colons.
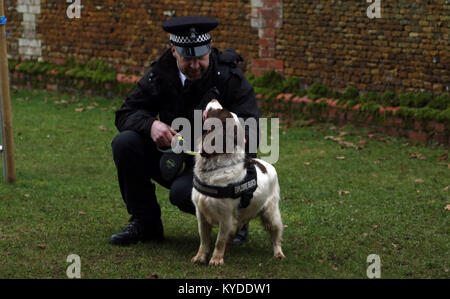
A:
x: 192, y: 68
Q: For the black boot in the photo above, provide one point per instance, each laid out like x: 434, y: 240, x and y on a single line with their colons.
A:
x: 139, y: 230
x: 242, y: 235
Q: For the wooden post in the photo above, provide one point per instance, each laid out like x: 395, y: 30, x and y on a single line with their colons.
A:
x: 8, y: 147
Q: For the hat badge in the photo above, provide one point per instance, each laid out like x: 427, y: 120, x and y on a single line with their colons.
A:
x: 193, y: 34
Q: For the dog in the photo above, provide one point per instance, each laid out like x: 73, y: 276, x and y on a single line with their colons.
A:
x: 222, y: 169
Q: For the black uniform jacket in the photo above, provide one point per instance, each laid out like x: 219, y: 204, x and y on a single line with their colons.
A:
x: 160, y: 94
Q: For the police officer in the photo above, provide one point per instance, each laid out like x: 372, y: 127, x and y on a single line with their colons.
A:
x: 183, y: 79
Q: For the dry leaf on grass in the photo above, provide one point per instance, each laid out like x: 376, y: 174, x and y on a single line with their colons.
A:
x: 79, y: 109
x: 340, y: 158
x: 443, y: 157
x: 343, y: 192
x: 82, y: 213
x: 447, y: 208
x: 341, y: 141
x: 418, y: 156
x: 419, y: 181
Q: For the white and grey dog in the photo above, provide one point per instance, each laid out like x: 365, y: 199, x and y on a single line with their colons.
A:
x: 225, y: 169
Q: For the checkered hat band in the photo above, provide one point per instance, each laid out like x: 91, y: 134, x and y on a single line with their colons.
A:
x: 186, y: 40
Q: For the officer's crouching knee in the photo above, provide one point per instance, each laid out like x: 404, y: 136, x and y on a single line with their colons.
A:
x: 181, y: 198
x: 123, y: 142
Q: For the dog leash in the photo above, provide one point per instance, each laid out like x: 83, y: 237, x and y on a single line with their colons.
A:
x: 180, y: 143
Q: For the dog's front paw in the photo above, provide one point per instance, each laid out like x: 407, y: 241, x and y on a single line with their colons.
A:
x: 214, y: 261
x: 199, y: 259
x: 279, y: 255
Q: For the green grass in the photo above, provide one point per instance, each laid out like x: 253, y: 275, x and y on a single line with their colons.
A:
x: 66, y: 200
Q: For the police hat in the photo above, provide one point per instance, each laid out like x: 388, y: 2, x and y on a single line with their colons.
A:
x: 190, y: 34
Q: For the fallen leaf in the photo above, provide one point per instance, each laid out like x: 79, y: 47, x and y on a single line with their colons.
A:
x: 364, y: 234
x: 79, y: 109
x: 103, y: 128
x: 42, y: 246
x: 340, y: 158
x: 300, y: 223
x: 412, y: 155
x: 419, y: 181
x: 447, y: 208
x: 343, y: 192
x: 307, y: 163
x: 418, y: 156
x: 26, y: 195
x: 90, y: 107
x: 342, y: 142
x: 446, y: 188
x: 443, y: 157
x: 375, y: 227
x: 82, y: 213
x: 152, y: 276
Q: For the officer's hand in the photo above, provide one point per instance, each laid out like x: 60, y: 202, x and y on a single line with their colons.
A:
x: 162, y: 134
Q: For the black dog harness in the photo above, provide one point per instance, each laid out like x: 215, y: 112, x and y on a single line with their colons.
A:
x: 243, y: 189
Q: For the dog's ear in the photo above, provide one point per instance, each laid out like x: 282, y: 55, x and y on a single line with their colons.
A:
x: 213, y: 105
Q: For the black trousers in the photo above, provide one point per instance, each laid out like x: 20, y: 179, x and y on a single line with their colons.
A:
x: 137, y: 162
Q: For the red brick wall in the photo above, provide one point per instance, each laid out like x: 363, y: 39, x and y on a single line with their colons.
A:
x: 13, y: 26
x: 128, y: 34
x: 333, y: 42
